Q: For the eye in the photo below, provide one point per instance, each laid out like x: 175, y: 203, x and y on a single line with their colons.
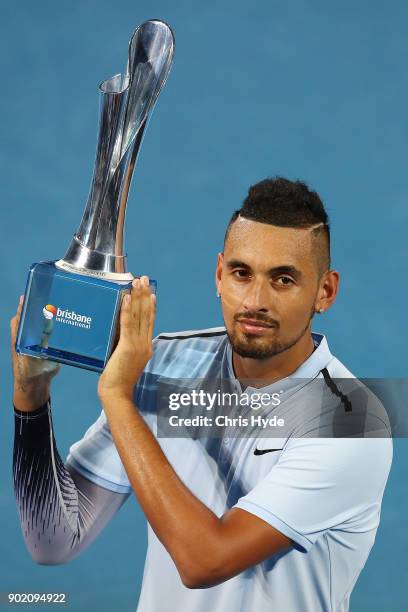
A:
x: 287, y: 280
x: 240, y: 273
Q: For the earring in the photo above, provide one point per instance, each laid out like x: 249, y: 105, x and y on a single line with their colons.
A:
x: 321, y: 310
x: 218, y: 294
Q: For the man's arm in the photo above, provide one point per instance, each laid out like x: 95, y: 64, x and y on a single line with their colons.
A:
x: 206, y: 549
x: 61, y: 512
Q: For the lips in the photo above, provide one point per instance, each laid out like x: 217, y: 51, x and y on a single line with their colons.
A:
x: 253, y: 326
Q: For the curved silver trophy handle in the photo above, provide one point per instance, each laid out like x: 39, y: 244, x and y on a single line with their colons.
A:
x: 126, y: 104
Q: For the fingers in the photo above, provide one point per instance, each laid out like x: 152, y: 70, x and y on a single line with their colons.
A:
x: 125, y: 315
x: 26, y: 368
x: 136, y: 297
x: 145, y: 306
x: 138, y: 311
x: 152, y: 317
x: 142, y: 304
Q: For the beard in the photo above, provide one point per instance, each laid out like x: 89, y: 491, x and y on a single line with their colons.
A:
x: 257, y: 347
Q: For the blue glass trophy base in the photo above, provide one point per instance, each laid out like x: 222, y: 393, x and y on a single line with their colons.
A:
x: 70, y: 318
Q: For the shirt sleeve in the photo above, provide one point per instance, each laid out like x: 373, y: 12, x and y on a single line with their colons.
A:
x: 61, y: 512
x: 95, y: 457
x: 319, y: 484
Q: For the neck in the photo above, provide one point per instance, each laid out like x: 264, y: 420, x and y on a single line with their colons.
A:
x: 260, y: 372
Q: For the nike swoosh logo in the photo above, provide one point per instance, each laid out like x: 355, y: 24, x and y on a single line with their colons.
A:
x: 258, y: 451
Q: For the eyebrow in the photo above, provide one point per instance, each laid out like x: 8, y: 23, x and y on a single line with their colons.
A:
x: 282, y: 269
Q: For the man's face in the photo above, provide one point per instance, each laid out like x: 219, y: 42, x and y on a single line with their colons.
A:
x: 268, y: 280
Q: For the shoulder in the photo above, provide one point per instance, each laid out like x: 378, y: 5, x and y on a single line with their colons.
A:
x: 210, y: 335
x: 360, y: 399
x: 186, y: 353
x: 182, y: 355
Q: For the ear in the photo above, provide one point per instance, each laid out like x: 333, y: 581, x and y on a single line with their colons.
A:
x: 218, y: 271
x: 328, y: 290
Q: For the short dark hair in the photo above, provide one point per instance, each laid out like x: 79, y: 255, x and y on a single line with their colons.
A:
x: 279, y: 201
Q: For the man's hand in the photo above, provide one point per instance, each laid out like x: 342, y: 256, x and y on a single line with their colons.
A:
x: 32, y: 376
x: 134, y: 348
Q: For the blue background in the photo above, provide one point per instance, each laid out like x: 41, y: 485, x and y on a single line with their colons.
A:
x: 305, y: 88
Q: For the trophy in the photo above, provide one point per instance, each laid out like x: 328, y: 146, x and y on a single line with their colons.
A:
x: 71, y: 306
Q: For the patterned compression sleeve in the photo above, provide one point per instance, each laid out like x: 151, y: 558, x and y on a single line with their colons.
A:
x: 61, y: 512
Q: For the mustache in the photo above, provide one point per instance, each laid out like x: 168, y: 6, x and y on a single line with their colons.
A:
x: 256, y: 316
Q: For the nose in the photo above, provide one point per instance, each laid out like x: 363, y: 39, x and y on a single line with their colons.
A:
x: 256, y: 295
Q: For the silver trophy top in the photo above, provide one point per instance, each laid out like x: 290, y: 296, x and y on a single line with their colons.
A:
x: 126, y: 103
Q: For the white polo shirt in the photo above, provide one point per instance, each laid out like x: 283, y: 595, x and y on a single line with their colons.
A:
x: 323, y: 493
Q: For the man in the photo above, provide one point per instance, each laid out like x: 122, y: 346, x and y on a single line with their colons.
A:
x: 233, y: 524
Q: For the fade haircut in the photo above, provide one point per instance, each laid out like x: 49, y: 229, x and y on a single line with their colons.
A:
x: 279, y: 201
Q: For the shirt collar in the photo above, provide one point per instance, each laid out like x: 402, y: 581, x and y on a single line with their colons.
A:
x: 310, y: 368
